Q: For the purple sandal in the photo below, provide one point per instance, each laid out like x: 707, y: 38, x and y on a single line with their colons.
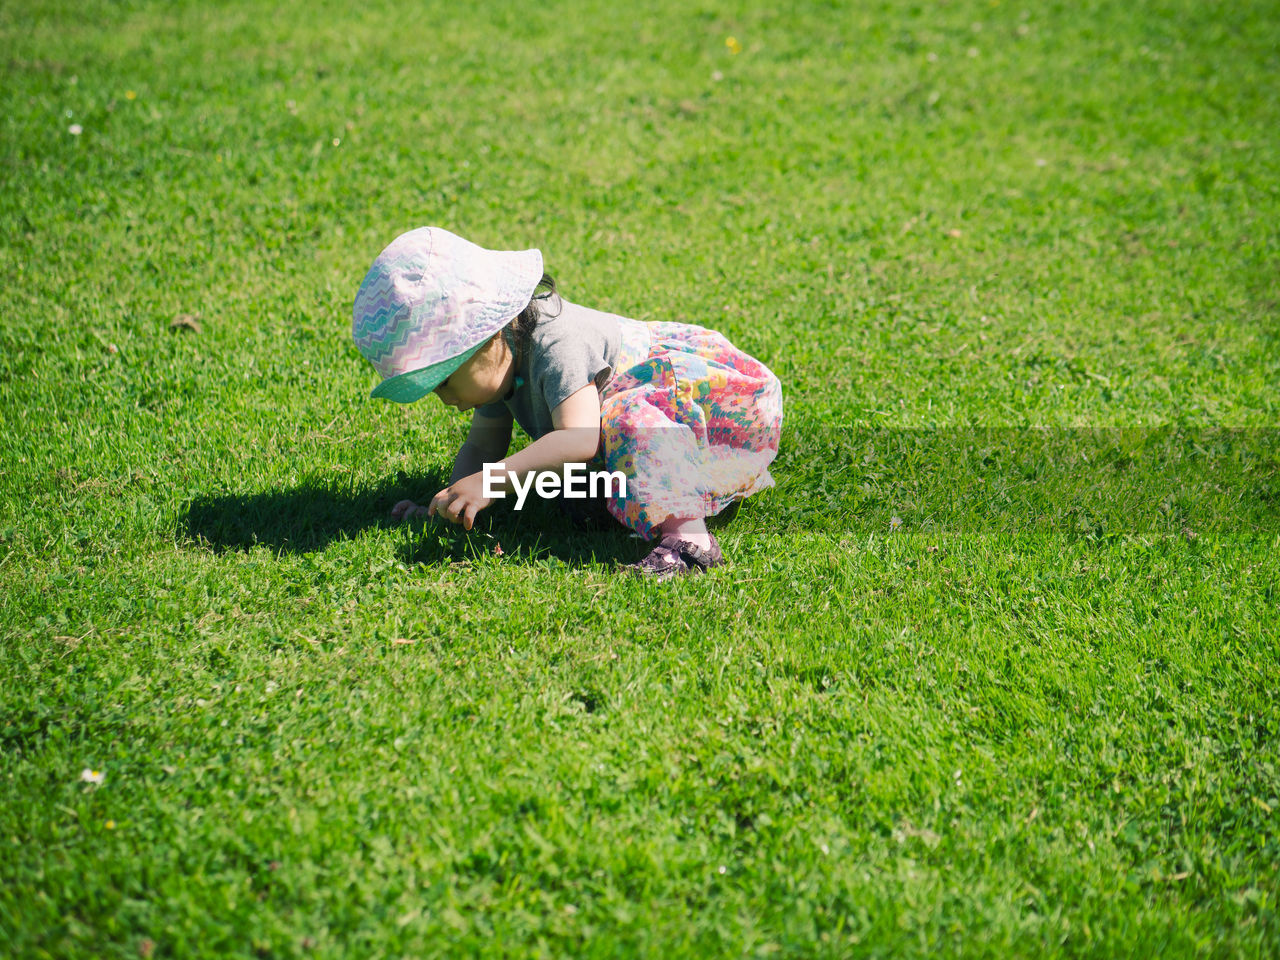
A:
x: 674, y: 556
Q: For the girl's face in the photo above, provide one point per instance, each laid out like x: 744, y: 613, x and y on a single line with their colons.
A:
x: 485, y: 377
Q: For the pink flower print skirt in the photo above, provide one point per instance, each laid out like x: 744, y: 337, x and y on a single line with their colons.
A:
x: 690, y: 420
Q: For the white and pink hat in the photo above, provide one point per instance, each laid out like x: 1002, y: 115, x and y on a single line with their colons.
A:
x: 430, y: 301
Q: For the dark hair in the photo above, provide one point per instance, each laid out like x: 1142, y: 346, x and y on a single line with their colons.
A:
x: 522, y: 326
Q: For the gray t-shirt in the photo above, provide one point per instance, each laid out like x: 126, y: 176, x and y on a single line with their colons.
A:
x: 567, y: 351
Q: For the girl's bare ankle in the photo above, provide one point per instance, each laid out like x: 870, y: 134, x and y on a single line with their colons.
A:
x: 693, y: 530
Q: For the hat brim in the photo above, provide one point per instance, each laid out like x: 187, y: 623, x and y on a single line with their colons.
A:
x: 416, y: 384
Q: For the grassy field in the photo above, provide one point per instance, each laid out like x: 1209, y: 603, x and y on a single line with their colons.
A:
x: 992, y: 670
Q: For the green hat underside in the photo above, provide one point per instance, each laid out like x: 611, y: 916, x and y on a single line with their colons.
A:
x: 416, y: 384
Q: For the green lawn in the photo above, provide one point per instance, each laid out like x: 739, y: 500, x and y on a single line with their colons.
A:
x: 992, y: 671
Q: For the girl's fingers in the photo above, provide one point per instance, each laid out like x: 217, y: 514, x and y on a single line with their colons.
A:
x: 404, y: 510
x: 453, y: 507
x: 440, y: 502
x: 442, y: 505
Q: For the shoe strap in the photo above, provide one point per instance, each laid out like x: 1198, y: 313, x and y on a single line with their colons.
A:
x: 691, y: 552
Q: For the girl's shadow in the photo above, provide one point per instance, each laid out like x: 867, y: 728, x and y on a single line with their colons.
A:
x: 307, y: 518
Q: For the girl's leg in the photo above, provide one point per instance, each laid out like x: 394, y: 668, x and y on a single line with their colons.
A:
x: 693, y: 529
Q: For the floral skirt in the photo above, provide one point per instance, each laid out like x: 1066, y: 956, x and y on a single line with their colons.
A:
x: 690, y: 420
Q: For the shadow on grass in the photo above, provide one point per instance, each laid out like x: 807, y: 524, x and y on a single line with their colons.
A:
x: 1093, y: 483
x: 300, y: 520
x: 309, y: 517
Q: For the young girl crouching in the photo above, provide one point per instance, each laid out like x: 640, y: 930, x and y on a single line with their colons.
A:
x: 686, y: 419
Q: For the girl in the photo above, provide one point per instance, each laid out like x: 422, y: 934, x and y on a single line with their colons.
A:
x: 691, y: 421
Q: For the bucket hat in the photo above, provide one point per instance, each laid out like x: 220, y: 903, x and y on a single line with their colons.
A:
x: 430, y: 301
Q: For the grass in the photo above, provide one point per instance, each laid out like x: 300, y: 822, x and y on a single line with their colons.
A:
x: 1016, y: 267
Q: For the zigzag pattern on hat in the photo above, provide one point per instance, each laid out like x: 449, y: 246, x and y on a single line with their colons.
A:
x: 431, y: 295
x: 404, y: 345
x: 379, y: 300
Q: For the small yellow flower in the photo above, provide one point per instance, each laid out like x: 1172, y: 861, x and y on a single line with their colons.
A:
x: 110, y: 824
x: 131, y: 95
x: 732, y: 43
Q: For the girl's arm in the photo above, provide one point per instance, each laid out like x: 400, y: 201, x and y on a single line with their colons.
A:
x: 487, y: 442
x: 574, y: 440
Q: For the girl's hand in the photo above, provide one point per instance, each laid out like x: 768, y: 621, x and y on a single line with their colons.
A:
x: 461, y: 501
x: 407, y: 510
